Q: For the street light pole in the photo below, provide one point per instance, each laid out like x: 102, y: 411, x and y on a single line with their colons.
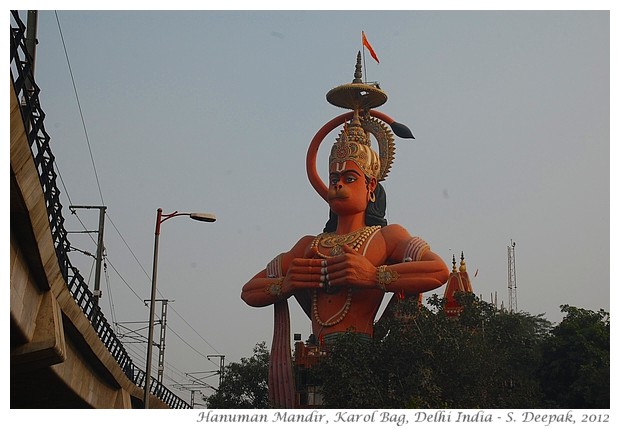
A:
x: 203, y: 217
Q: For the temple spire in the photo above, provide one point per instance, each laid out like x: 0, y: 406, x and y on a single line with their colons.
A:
x: 457, y: 282
x: 462, y: 268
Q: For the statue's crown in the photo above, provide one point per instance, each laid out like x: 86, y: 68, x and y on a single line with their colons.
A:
x: 353, y: 144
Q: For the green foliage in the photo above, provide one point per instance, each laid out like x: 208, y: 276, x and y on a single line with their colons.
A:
x: 575, y: 373
x: 485, y: 358
x: 244, y: 385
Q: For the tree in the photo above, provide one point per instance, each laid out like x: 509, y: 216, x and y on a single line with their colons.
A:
x: 244, y: 385
x: 421, y: 358
x: 485, y: 358
x: 575, y: 369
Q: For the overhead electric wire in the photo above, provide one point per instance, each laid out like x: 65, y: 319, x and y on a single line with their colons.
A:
x: 77, y: 98
x: 127, y: 245
x: 107, y: 283
x: 59, y: 175
x: 138, y: 354
x: 158, y: 291
x: 63, y: 183
x: 133, y: 349
x: 195, y: 331
x: 188, y: 344
x: 121, y: 277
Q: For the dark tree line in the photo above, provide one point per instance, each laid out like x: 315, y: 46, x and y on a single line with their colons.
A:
x: 484, y: 358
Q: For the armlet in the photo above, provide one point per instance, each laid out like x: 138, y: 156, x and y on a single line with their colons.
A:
x: 274, y: 268
x: 415, y: 249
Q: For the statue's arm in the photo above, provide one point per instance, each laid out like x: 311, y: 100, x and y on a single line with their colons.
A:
x: 276, y: 282
x: 413, y: 277
x: 412, y: 266
x: 261, y: 290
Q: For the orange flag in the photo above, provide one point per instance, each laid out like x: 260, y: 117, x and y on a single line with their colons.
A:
x: 367, y: 45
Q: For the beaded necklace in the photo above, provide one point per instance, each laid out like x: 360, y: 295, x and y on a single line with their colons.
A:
x: 334, y: 241
x: 340, y: 314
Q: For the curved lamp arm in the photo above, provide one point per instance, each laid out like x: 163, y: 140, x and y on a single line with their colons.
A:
x: 161, y: 218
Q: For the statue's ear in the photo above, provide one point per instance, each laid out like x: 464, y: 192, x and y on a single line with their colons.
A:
x: 372, y: 184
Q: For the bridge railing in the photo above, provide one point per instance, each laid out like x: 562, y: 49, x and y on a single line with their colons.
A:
x: 33, y: 116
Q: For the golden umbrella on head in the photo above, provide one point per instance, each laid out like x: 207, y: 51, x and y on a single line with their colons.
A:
x: 362, y: 98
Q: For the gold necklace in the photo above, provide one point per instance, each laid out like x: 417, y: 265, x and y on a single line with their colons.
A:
x: 333, y: 241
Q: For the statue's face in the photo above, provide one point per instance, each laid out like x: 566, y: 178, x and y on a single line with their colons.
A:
x: 348, y: 188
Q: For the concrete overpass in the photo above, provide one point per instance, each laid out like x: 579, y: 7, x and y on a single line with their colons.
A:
x: 64, y: 354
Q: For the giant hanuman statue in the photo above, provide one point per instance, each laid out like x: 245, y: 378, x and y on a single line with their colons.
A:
x: 339, y: 277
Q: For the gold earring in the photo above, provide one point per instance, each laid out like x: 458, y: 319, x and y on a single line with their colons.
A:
x: 373, y: 198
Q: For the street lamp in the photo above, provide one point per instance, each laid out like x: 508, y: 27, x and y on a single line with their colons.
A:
x: 203, y: 217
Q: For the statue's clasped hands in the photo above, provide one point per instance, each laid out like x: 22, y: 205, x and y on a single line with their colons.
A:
x: 349, y: 269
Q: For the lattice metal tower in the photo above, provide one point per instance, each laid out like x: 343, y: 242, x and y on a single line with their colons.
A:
x: 162, y: 340
x: 512, y: 278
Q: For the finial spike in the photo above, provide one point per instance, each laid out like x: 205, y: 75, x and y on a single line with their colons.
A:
x: 358, y: 69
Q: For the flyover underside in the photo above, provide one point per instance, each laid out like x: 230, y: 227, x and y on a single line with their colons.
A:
x: 27, y: 391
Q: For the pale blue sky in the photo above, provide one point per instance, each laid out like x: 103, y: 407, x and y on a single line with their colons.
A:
x: 213, y: 111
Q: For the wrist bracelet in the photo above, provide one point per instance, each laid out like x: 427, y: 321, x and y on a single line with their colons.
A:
x: 275, y: 288
x: 385, y: 276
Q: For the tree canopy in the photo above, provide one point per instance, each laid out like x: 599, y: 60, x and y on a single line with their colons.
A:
x: 575, y: 369
x: 244, y: 384
x: 424, y: 359
x: 421, y: 358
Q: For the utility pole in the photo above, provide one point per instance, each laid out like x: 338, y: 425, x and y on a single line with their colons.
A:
x: 193, y: 393
x: 162, y: 337
x: 162, y: 340
x: 200, y: 380
x: 221, y: 371
x: 99, y: 258
x: 193, y: 390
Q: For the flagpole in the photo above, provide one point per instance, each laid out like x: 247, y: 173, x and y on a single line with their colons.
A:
x: 364, y: 59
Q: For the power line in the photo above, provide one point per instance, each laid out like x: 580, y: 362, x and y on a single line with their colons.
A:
x: 112, y: 310
x: 141, y: 339
x: 124, y: 281
x: 77, y: 98
x: 195, y: 331
x: 127, y: 245
x: 188, y: 344
x: 110, y: 300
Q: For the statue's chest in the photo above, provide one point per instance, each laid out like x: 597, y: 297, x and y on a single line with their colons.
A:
x: 367, y: 241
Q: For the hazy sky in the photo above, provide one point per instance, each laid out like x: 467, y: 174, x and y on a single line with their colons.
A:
x: 213, y: 111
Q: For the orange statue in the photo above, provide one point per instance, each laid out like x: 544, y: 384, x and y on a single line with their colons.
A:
x: 340, y: 276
